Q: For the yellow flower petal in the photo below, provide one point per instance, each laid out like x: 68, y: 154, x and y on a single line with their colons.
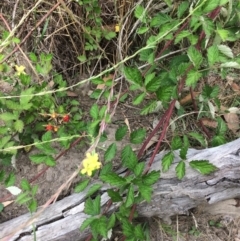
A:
x: 20, y: 69
x: 90, y: 164
x: 117, y: 28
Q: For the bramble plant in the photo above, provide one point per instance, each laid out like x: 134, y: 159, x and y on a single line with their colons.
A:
x: 200, y: 30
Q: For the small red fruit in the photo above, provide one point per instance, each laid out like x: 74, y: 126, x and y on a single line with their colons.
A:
x: 66, y: 118
x: 49, y: 127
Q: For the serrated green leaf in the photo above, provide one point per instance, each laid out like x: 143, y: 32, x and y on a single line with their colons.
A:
x: 203, y: 166
x: 97, y: 81
x: 231, y: 64
x: 23, y: 198
x: 148, y: 78
x: 207, y: 25
x: 94, y: 188
x: 192, y: 77
x: 149, y: 108
x: 7, y: 116
x: 151, y: 178
x: 106, y: 169
x: 120, y: 133
x: 180, y: 170
x: 133, y: 75
x: 200, y: 138
x: 138, y: 170
x: 165, y: 93
x: 140, y: 13
x: 167, y: 161
x: 34, y: 190
x: 81, y: 186
x: 110, y: 35
x: 139, y: 233
x: 139, y: 99
x: 10, y: 180
x: 38, y: 158
x: 129, y: 158
x: 2, y: 175
x: 102, y: 112
x: 182, y: 8
x: 1, y: 207
x: 25, y: 185
x: 218, y: 140
x: 4, y: 140
x: 111, y: 221
x: 113, y: 179
x: 221, y: 127
x: 213, y: 55
x: 92, y: 206
x: 18, y: 125
x: 137, y: 136
x: 26, y: 96
x: 210, y: 92
x: 154, y: 84
x: 114, y: 195
x: 160, y: 19
x: 181, y: 35
x: 100, y: 226
x: 110, y: 152
x: 50, y: 161
x: 47, y: 136
x: 176, y: 143
x: 82, y: 58
x: 210, y: 5
x: 128, y: 229
x: 223, y: 33
x: 86, y: 223
x: 142, y: 30
x: 146, y: 192
x: 94, y: 111
x: 33, y: 206
x: 224, y: 49
x: 195, y: 56
x: 130, y: 197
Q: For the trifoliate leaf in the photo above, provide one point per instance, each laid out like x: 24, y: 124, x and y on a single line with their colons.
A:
x: 180, y: 169
x: 203, y: 166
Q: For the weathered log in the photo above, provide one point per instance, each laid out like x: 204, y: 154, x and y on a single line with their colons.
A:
x: 61, y: 220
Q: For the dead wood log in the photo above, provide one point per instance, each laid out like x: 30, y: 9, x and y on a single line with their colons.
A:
x: 61, y: 221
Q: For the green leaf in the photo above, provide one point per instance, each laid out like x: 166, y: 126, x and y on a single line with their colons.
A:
x: 151, y: 178
x: 114, y: 195
x: 86, y: 223
x: 142, y: 30
x: 50, y: 161
x: 129, y: 158
x: 164, y: 93
x: 109, y: 35
x: 140, y: 13
x: 146, y: 192
x: 25, y: 185
x: 113, y: 179
x: 231, y: 64
x: 81, y: 186
x: 137, y: 136
x: 120, y: 133
x: 203, y: 166
x: 224, y: 49
x: 128, y: 229
x: 4, y: 140
x: 130, y: 197
x: 38, y: 158
x: 110, y: 152
x: 182, y: 8
x: 33, y: 57
x: 106, y: 169
x: 180, y: 170
x: 154, y: 84
x: 207, y: 25
x: 8, y: 116
x: 210, y: 92
x: 138, y: 170
x: 10, y: 180
x: 92, y: 206
x: 139, y: 99
x: 167, y: 161
x: 223, y: 33
x: 33, y: 206
x: 2, y: 174
x: 183, y: 152
x: 18, y: 125
x: 23, y: 198
x: 26, y: 96
x: 181, y: 35
x: 200, y: 138
x: 139, y: 233
x: 94, y: 188
x: 221, y: 127
x: 133, y: 75
x: 176, y: 143
x: 47, y: 136
x: 34, y: 190
x: 94, y: 111
x: 218, y: 140
x: 149, y: 108
x: 213, y: 55
x: 100, y: 226
x: 195, y: 56
x: 159, y: 20
x: 149, y: 77
x: 210, y: 5
x: 82, y: 58
x: 111, y: 221
x: 192, y: 77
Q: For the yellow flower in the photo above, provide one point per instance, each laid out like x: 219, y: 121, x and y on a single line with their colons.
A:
x: 90, y: 164
x: 117, y: 28
x: 20, y: 69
